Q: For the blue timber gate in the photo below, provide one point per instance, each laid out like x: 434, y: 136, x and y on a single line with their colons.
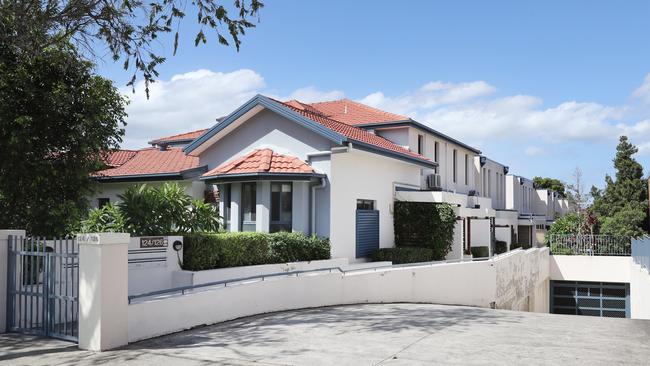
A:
x: 43, y: 287
x: 367, y: 232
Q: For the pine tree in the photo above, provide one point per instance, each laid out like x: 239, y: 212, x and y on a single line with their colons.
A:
x: 622, y: 206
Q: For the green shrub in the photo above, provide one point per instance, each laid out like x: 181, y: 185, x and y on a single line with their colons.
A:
x: 500, y: 247
x: 295, y: 247
x: 105, y: 219
x: 400, y: 255
x: 425, y: 225
x: 202, y: 251
x: 480, y: 252
x: 515, y: 246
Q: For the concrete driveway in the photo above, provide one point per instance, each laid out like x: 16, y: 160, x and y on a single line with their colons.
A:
x: 386, y: 334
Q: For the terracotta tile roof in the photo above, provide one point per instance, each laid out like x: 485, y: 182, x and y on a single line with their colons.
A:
x: 179, y: 137
x: 262, y: 161
x: 119, y: 157
x: 349, y: 131
x: 354, y: 113
x: 152, y: 161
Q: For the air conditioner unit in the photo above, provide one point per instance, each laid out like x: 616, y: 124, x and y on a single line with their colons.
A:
x: 434, y: 181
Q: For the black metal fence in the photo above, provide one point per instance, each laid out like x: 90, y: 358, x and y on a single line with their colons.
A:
x: 612, y: 245
x: 42, y: 287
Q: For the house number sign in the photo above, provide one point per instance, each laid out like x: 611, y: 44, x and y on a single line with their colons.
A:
x: 153, y: 242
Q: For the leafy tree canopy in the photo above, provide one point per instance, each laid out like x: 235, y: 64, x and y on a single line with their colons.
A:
x: 128, y: 28
x: 622, y: 205
x: 550, y: 183
x: 56, y: 119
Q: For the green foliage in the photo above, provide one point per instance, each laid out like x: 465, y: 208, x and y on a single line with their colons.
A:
x: 129, y: 30
x: 293, y: 247
x: 622, y: 206
x: 500, y: 247
x: 105, y: 219
x: 567, y: 224
x: 56, y: 120
x: 209, y: 251
x: 480, y: 252
x: 550, y: 183
x: 165, y: 210
x: 425, y: 225
x: 401, y: 255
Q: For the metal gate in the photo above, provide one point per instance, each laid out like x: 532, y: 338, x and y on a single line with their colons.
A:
x: 42, y: 287
x: 590, y: 298
x: 367, y: 240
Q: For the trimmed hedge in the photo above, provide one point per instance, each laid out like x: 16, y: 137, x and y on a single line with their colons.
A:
x: 500, y: 247
x: 426, y: 225
x: 204, y: 251
x: 403, y: 255
x: 480, y: 252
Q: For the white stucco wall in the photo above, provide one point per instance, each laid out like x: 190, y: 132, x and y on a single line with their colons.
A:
x: 152, y: 276
x: 362, y: 175
x: 194, y: 188
x: 590, y: 268
x: 640, y: 279
x: 266, y: 130
x: 491, y: 182
x: 483, y: 284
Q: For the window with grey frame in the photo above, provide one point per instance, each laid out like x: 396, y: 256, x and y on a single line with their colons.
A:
x: 248, y: 206
x: 420, y: 144
x: 281, y: 206
x: 226, y: 205
x: 455, y: 165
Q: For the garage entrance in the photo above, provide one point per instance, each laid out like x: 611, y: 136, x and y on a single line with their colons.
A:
x: 602, y: 299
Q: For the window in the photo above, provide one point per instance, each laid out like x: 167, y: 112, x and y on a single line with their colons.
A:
x: 226, y: 205
x: 466, y: 169
x: 455, y: 166
x: 420, y: 144
x: 365, y: 205
x: 101, y: 202
x: 281, y: 207
x: 489, y: 182
x: 436, y: 152
x: 248, y: 206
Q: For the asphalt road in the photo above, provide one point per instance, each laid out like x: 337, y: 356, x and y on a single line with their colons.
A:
x: 386, y: 334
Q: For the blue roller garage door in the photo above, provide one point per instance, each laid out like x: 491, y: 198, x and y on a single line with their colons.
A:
x: 367, y: 239
x: 602, y: 299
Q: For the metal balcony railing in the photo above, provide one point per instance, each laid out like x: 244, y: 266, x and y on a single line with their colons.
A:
x: 612, y: 245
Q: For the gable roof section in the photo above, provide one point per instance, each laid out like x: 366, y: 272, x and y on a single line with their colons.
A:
x: 181, y: 137
x: 119, y: 157
x: 152, y: 163
x: 262, y: 161
x: 335, y: 131
x: 355, y: 113
x: 364, y: 116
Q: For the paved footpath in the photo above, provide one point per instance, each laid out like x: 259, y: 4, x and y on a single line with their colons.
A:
x: 386, y: 334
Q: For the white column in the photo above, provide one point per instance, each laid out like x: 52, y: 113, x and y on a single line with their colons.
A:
x: 103, y: 290
x: 300, y: 202
x: 263, y: 206
x: 235, y: 203
x: 4, y: 252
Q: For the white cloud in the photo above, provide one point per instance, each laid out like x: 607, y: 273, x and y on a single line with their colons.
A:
x: 467, y: 112
x: 534, y: 151
x: 430, y: 95
x: 643, y: 92
x: 186, y: 102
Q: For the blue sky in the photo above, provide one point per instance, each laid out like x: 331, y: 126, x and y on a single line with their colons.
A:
x: 540, y: 86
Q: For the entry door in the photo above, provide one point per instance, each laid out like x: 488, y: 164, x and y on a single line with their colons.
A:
x: 367, y: 228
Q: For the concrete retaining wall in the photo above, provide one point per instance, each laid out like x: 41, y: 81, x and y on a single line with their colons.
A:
x: 590, y: 268
x: 472, y: 283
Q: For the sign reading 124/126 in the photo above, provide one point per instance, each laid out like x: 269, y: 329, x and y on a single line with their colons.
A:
x: 153, y: 242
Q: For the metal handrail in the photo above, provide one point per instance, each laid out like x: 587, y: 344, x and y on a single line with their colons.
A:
x: 183, y: 289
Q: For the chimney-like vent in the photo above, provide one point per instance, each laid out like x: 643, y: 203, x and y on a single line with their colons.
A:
x: 345, y: 109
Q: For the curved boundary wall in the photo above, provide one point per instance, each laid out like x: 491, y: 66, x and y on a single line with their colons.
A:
x: 517, y: 280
